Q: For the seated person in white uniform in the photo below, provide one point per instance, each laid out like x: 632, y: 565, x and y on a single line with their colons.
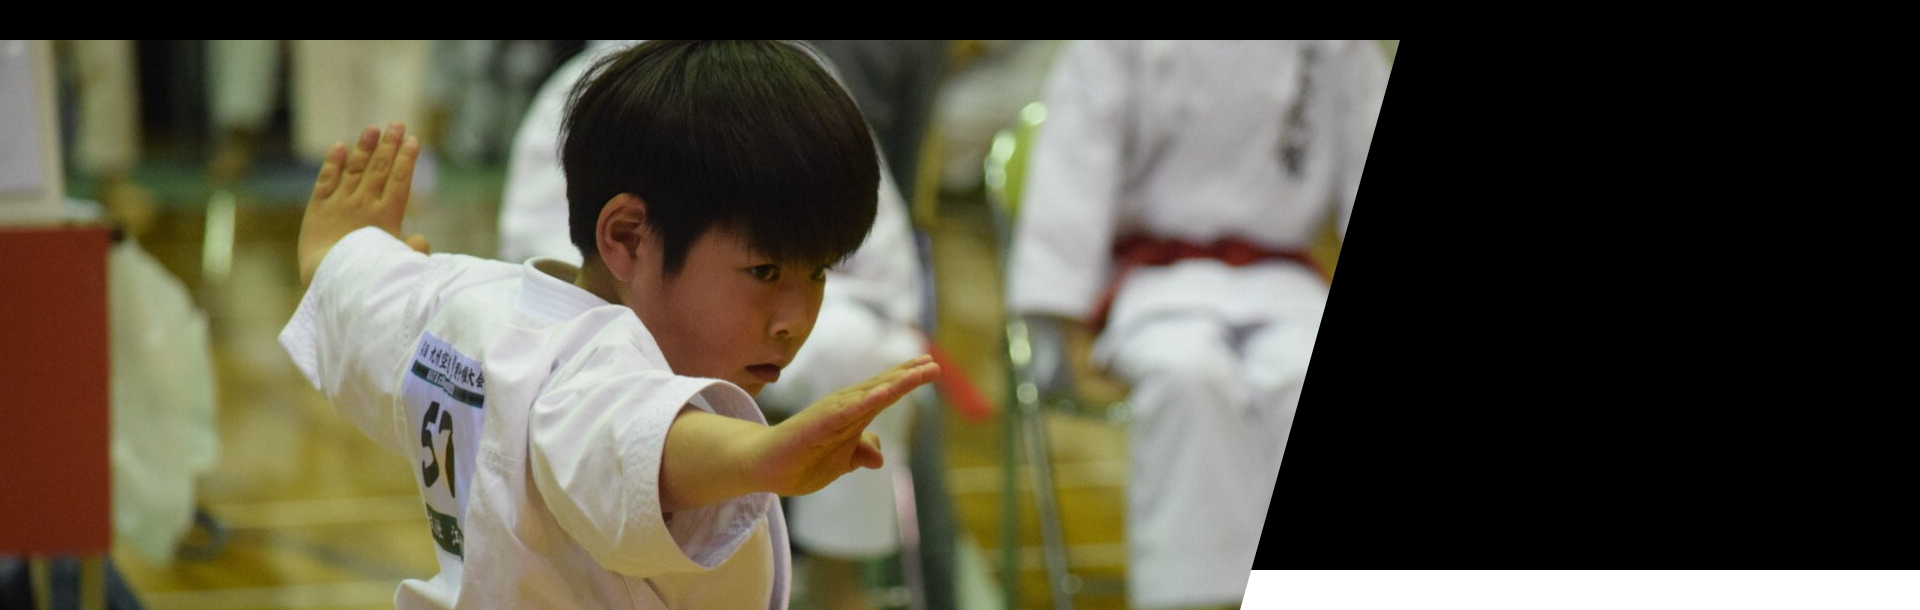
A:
x: 866, y: 317
x: 1171, y: 193
x: 586, y: 437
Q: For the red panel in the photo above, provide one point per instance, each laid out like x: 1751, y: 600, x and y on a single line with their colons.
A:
x: 54, y: 390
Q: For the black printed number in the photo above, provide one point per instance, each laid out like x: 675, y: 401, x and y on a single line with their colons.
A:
x: 430, y: 471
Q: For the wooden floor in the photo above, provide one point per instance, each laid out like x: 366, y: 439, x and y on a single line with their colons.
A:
x: 321, y: 518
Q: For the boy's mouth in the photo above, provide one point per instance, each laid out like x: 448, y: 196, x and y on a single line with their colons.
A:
x: 767, y: 373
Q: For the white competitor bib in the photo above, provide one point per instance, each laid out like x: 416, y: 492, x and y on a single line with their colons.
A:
x: 445, y: 393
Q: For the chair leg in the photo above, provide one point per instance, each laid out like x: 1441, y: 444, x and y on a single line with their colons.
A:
x: 908, y: 513
x: 933, y: 506
x: 1010, y: 499
x: 1040, y: 465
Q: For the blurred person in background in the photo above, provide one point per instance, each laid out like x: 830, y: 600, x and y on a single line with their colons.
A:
x: 164, y: 393
x: 331, y: 87
x: 480, y: 89
x: 1170, y: 199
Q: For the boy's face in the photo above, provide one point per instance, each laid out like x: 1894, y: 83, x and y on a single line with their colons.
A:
x: 730, y: 313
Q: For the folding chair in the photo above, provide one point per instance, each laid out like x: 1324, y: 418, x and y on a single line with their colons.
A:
x: 1036, y: 358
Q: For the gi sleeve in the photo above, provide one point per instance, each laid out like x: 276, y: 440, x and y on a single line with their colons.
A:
x: 1063, y: 237
x: 356, y: 326
x: 597, y: 436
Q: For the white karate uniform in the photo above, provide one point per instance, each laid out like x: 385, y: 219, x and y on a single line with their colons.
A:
x: 534, y: 415
x: 1189, y: 140
x: 865, y: 324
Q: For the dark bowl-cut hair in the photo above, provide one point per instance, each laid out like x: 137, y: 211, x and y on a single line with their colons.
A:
x: 754, y: 136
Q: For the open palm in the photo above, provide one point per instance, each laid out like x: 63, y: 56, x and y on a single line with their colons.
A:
x: 368, y: 186
x: 828, y: 439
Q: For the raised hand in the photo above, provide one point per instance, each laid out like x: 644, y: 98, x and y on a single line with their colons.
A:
x: 368, y: 186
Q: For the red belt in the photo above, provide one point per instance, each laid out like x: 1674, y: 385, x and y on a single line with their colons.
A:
x: 1135, y: 251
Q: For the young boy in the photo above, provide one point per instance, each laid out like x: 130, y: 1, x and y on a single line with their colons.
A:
x: 872, y: 303
x: 586, y: 437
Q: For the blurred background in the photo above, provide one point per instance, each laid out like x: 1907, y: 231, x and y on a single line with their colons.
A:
x: 200, y: 156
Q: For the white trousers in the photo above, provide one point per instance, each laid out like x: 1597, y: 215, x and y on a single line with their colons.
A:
x: 1213, y: 405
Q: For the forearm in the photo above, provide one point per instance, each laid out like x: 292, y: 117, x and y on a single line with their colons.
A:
x: 705, y: 460
x: 710, y: 458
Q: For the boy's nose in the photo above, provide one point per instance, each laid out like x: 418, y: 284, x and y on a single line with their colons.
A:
x: 788, y: 324
x: 795, y: 315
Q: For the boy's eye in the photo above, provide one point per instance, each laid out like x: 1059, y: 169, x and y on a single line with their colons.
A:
x: 766, y: 273
x: 820, y: 274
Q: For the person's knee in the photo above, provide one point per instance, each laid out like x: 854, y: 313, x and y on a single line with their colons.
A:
x: 1277, y: 360
x: 1196, y: 372
x: 1191, y: 363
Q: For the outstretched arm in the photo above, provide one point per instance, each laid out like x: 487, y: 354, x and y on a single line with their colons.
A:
x: 367, y: 187
x: 710, y: 458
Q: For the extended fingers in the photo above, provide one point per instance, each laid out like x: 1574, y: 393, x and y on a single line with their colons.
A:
x: 324, y: 186
x: 871, y: 402
x: 844, y: 414
x: 904, y: 380
x: 357, y: 159
x: 400, y: 181
x: 379, y: 168
x: 893, y: 375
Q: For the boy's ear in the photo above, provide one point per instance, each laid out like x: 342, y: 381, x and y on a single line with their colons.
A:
x: 621, y: 234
